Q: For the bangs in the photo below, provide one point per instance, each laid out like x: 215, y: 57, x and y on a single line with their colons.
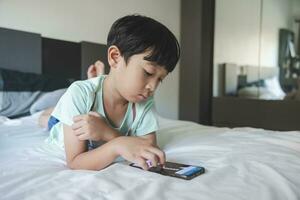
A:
x: 135, y: 34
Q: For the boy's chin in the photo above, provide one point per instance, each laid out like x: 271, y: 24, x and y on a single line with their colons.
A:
x: 137, y: 99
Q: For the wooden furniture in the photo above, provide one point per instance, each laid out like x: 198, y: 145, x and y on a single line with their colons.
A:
x: 196, y: 71
x: 267, y: 114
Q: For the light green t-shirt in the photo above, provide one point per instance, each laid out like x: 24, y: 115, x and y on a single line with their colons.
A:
x: 84, y: 96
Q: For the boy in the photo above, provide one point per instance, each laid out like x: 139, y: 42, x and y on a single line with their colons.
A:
x: 106, y: 109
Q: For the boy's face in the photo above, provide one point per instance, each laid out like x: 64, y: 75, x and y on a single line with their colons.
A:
x: 138, y: 79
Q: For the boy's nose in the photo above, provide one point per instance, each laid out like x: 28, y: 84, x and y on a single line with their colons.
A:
x: 152, y: 85
x: 149, y: 88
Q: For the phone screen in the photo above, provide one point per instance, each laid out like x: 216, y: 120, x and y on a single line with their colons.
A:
x: 177, y: 170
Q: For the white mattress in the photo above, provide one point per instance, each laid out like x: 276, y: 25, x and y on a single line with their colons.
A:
x: 242, y: 163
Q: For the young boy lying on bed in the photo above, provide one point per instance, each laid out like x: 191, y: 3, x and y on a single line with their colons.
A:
x: 94, y: 117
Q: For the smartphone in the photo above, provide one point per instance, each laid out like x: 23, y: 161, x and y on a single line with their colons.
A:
x: 176, y: 170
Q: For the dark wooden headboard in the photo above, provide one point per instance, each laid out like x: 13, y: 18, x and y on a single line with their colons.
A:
x: 30, y: 52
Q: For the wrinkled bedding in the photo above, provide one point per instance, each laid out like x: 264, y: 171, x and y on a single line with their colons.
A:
x: 241, y: 163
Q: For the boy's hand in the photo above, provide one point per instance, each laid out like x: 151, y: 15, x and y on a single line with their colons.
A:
x: 91, y: 126
x: 139, y: 150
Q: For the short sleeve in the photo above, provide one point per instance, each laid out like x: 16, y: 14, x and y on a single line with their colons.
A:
x: 74, y: 102
x: 148, y: 122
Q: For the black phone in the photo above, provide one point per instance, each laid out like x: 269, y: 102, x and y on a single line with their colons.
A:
x: 177, y: 170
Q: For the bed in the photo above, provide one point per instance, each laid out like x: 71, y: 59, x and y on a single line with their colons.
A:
x: 250, y: 82
x: 241, y: 163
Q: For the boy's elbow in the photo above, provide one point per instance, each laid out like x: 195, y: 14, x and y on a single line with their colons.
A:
x: 75, y: 166
x: 71, y: 165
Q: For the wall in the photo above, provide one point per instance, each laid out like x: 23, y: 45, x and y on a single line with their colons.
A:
x: 296, y: 26
x: 277, y: 14
x: 90, y: 20
x: 238, y: 37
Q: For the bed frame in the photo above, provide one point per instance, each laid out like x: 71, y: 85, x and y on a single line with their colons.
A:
x: 31, y: 52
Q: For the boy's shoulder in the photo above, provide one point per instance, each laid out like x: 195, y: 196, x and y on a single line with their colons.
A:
x: 87, y: 86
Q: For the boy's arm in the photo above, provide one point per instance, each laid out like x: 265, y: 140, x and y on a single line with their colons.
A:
x: 78, y: 157
x: 133, y: 149
x: 92, y: 126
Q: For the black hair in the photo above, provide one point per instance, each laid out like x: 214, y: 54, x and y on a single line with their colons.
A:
x: 135, y: 34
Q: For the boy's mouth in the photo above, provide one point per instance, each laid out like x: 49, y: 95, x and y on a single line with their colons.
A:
x: 142, y: 97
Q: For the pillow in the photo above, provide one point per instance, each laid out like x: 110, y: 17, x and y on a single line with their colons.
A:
x: 19, y: 90
x: 16, y: 104
x: 47, y: 100
x: 274, y: 86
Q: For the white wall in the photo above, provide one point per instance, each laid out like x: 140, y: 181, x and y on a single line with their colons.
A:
x: 296, y: 26
x: 90, y: 20
x: 277, y: 14
x: 296, y: 9
x: 236, y: 35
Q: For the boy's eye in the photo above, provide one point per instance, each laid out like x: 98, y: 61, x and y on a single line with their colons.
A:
x: 147, y: 73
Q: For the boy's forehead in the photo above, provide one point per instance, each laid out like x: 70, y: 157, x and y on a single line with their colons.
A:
x: 153, y: 65
x: 150, y: 64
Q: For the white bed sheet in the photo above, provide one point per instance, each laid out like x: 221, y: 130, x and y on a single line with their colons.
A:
x: 241, y: 163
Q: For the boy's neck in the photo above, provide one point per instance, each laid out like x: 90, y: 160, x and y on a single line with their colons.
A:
x: 111, y: 95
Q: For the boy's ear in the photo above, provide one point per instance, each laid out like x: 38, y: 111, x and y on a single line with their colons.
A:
x: 113, y: 56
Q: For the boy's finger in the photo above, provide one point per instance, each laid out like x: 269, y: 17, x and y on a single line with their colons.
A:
x: 161, y: 155
x: 78, y: 118
x: 83, y: 137
x: 149, y: 156
x: 77, y: 125
x: 78, y: 132
x: 142, y: 163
